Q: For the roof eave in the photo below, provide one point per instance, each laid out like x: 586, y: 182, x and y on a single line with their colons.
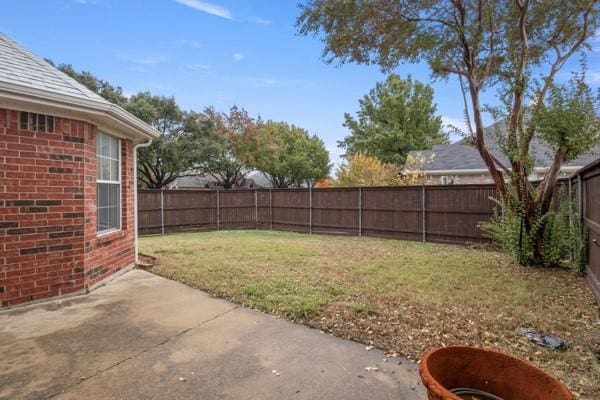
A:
x: 466, y: 171
x: 105, y: 115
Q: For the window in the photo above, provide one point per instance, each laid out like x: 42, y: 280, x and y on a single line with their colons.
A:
x: 36, y: 122
x: 108, y: 183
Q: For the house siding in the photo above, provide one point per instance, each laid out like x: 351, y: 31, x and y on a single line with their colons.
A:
x: 48, y: 243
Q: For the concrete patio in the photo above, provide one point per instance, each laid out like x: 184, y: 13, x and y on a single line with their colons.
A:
x: 143, y: 336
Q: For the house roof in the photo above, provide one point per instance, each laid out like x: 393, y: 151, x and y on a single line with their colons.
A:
x: 199, y: 180
x: 463, y: 156
x: 29, y: 83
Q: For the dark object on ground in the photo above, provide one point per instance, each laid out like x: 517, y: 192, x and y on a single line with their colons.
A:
x: 465, y: 393
x: 489, y: 371
x: 543, y: 339
x: 146, y: 261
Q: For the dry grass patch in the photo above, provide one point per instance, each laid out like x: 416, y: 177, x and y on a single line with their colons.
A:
x: 404, y: 297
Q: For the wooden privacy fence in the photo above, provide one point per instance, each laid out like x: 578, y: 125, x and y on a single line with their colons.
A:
x: 448, y: 214
x: 587, y: 184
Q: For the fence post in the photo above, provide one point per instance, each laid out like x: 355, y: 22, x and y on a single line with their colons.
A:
x: 570, y: 215
x: 271, y: 209
x: 310, y: 210
x: 424, y: 219
x: 580, y: 198
x: 256, y: 208
x: 162, y: 212
x: 359, y: 212
x: 218, y: 212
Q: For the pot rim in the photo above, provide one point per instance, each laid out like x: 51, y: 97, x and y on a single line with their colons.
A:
x: 433, y: 386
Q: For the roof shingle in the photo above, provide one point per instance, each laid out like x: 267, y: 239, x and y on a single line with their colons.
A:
x: 20, y: 67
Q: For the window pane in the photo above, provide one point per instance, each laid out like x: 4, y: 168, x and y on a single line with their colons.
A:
x: 98, y: 144
x: 42, y: 123
x: 114, y: 170
x: 105, y: 145
x: 114, y: 195
x: 114, y: 148
x: 32, y: 122
x: 102, y: 217
x: 24, y: 120
x: 104, y: 168
x: 50, y: 124
x: 103, y: 194
x: 113, y: 220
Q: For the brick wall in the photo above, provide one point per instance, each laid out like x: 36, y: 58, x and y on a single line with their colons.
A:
x: 48, y: 243
x: 109, y: 253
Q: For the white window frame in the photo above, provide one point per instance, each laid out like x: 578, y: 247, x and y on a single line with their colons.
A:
x: 119, y: 160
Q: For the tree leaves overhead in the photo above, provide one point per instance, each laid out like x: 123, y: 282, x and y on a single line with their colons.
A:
x: 396, y: 117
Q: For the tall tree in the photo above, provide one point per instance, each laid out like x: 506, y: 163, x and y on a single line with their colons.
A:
x: 516, y: 47
x: 396, y: 117
x: 114, y: 94
x: 172, y: 154
x: 224, y: 150
x: 288, y: 155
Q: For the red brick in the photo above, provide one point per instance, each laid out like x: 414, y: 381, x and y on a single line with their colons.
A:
x: 65, y: 267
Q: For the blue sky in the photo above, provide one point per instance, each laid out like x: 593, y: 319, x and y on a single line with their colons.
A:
x: 217, y: 52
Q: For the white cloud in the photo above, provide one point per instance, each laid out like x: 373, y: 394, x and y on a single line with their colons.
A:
x: 198, y: 67
x: 143, y: 60
x: 194, y: 44
x: 85, y: 2
x: 238, y: 56
x: 208, y: 8
x: 261, y: 21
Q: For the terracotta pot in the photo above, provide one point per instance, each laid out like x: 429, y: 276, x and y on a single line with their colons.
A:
x: 504, y: 376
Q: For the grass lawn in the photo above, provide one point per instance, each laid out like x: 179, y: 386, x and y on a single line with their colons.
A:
x: 404, y: 297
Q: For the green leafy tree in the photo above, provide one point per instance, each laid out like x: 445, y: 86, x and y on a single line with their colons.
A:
x: 114, y: 94
x: 396, y: 117
x: 171, y: 155
x: 288, y: 155
x: 175, y: 152
x: 513, y: 47
x: 223, y: 151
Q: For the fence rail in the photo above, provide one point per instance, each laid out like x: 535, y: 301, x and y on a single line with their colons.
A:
x: 447, y: 214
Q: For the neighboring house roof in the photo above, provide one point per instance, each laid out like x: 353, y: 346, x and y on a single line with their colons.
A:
x: 201, y: 181
x: 461, y: 156
x: 260, y: 180
x: 29, y: 83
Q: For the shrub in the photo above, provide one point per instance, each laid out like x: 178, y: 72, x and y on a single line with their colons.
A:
x: 563, y: 240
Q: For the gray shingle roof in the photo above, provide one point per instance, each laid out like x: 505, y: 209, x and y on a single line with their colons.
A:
x: 28, y: 83
x: 20, y: 67
x: 462, y: 155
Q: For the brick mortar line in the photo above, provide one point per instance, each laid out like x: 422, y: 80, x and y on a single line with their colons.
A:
x: 167, y: 340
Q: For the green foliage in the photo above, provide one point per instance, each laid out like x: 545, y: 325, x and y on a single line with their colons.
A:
x: 513, y: 48
x: 396, y: 117
x: 222, y: 145
x: 562, y: 238
x: 568, y: 121
x: 222, y: 152
x: 364, y: 170
x: 114, y: 94
x: 288, y: 155
x: 177, y: 149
